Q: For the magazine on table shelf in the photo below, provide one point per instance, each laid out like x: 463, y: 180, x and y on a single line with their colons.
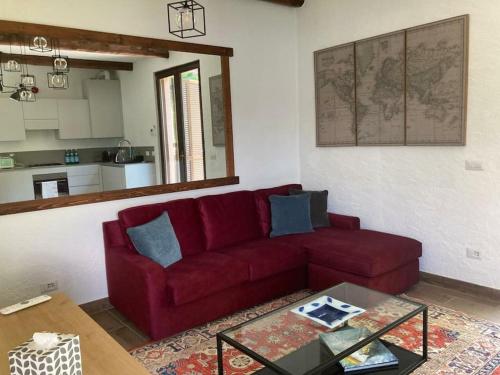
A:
x: 328, y: 311
x: 373, y: 356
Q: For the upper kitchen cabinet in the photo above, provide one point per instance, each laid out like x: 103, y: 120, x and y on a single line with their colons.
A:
x: 41, y: 115
x: 74, y: 119
x: 12, y: 124
x: 106, y: 113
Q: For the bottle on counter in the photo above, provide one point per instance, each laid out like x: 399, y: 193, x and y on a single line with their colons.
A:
x: 77, y: 157
x: 66, y: 157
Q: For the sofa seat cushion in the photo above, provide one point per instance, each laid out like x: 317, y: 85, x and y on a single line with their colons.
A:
x: 229, y: 219
x: 201, y: 275
x: 362, y: 252
x: 183, y: 214
x: 267, y: 258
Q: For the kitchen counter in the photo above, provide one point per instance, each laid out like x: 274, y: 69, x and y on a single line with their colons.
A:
x: 106, y: 164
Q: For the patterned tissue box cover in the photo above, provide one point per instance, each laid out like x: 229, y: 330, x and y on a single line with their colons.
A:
x: 63, y: 359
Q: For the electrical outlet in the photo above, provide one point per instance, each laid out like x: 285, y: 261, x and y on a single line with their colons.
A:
x: 49, y: 287
x: 473, y: 254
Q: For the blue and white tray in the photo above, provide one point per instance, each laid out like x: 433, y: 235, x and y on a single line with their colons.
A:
x: 328, y: 311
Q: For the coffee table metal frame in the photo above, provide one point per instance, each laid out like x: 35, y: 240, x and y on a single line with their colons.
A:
x: 421, y: 309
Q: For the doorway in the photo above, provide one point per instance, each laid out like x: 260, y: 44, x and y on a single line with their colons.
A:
x: 181, y: 123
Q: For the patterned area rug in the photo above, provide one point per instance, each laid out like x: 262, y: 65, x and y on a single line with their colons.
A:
x: 458, y: 344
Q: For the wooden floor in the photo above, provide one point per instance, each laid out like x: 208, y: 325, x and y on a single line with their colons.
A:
x: 472, y: 303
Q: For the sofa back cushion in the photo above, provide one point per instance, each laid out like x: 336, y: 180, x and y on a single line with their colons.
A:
x: 183, y: 215
x: 229, y: 219
x: 264, y: 207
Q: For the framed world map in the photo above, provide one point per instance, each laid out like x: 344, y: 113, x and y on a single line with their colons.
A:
x: 404, y: 88
x: 335, y: 96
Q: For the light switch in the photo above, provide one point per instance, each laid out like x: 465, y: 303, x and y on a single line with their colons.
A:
x: 473, y: 165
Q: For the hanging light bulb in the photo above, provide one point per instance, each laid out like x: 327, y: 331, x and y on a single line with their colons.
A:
x: 185, y: 18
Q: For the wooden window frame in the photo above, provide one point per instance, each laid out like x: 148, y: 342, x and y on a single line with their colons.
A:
x: 95, y: 41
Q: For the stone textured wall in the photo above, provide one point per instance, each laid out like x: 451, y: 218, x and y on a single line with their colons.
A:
x: 422, y: 192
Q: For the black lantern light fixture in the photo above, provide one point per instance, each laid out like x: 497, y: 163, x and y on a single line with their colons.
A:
x: 12, y: 64
x: 27, y: 80
x: 4, y: 89
x: 23, y: 94
x: 58, y: 80
x: 60, y: 64
x: 39, y: 43
x: 186, y: 19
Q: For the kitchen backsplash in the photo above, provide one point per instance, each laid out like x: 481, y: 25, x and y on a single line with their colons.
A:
x: 87, y: 155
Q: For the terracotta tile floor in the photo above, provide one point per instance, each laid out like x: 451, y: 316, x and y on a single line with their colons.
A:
x: 129, y: 336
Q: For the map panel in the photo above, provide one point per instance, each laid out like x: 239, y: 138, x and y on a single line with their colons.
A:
x: 380, y: 76
x: 335, y: 101
x: 435, y: 93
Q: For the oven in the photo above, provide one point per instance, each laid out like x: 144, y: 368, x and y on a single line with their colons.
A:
x: 50, y: 185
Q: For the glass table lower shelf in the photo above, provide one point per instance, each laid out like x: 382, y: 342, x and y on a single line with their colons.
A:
x: 284, y: 342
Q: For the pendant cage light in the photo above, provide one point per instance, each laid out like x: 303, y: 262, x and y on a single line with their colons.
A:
x: 27, y: 80
x: 60, y: 64
x: 4, y: 89
x: 40, y: 43
x: 24, y: 94
x: 58, y: 80
x: 12, y: 64
x: 186, y: 19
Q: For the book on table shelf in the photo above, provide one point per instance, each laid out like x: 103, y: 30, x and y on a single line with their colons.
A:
x: 372, y: 356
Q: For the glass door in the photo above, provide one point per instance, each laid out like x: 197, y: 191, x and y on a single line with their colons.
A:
x: 181, y: 123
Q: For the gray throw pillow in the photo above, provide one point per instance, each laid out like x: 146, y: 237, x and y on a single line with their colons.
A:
x: 290, y: 214
x: 157, y: 241
x: 319, y: 207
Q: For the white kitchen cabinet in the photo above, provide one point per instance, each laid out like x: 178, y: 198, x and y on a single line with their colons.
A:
x: 77, y: 190
x: 128, y: 176
x: 41, y: 115
x: 16, y: 186
x: 74, y: 119
x: 11, y: 121
x: 113, y: 178
x: 41, y: 124
x: 106, y: 112
x: 42, y: 109
x: 84, y: 179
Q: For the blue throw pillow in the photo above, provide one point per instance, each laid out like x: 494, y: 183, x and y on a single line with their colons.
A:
x: 157, y: 241
x: 290, y: 214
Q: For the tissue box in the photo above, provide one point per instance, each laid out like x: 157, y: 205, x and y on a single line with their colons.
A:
x: 62, y: 359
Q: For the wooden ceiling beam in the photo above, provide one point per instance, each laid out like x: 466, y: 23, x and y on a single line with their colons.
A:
x: 95, y: 41
x: 83, y: 40
x: 290, y: 3
x: 73, y: 63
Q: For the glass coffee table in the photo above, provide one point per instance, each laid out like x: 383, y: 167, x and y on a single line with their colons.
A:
x: 284, y: 342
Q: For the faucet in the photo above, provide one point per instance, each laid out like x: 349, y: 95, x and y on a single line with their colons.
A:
x: 120, y: 147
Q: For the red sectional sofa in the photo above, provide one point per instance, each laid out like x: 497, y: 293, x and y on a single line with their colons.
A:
x: 230, y: 263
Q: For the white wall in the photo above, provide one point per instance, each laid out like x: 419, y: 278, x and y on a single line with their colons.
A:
x: 422, y: 192
x: 39, y: 140
x: 66, y: 244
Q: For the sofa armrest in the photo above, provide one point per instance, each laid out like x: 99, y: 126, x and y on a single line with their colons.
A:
x: 136, y: 285
x: 344, y: 221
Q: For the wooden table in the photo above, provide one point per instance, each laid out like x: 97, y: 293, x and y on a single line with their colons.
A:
x: 101, y: 354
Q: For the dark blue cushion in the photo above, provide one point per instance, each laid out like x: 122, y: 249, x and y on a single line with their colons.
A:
x: 290, y: 214
x: 157, y: 240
